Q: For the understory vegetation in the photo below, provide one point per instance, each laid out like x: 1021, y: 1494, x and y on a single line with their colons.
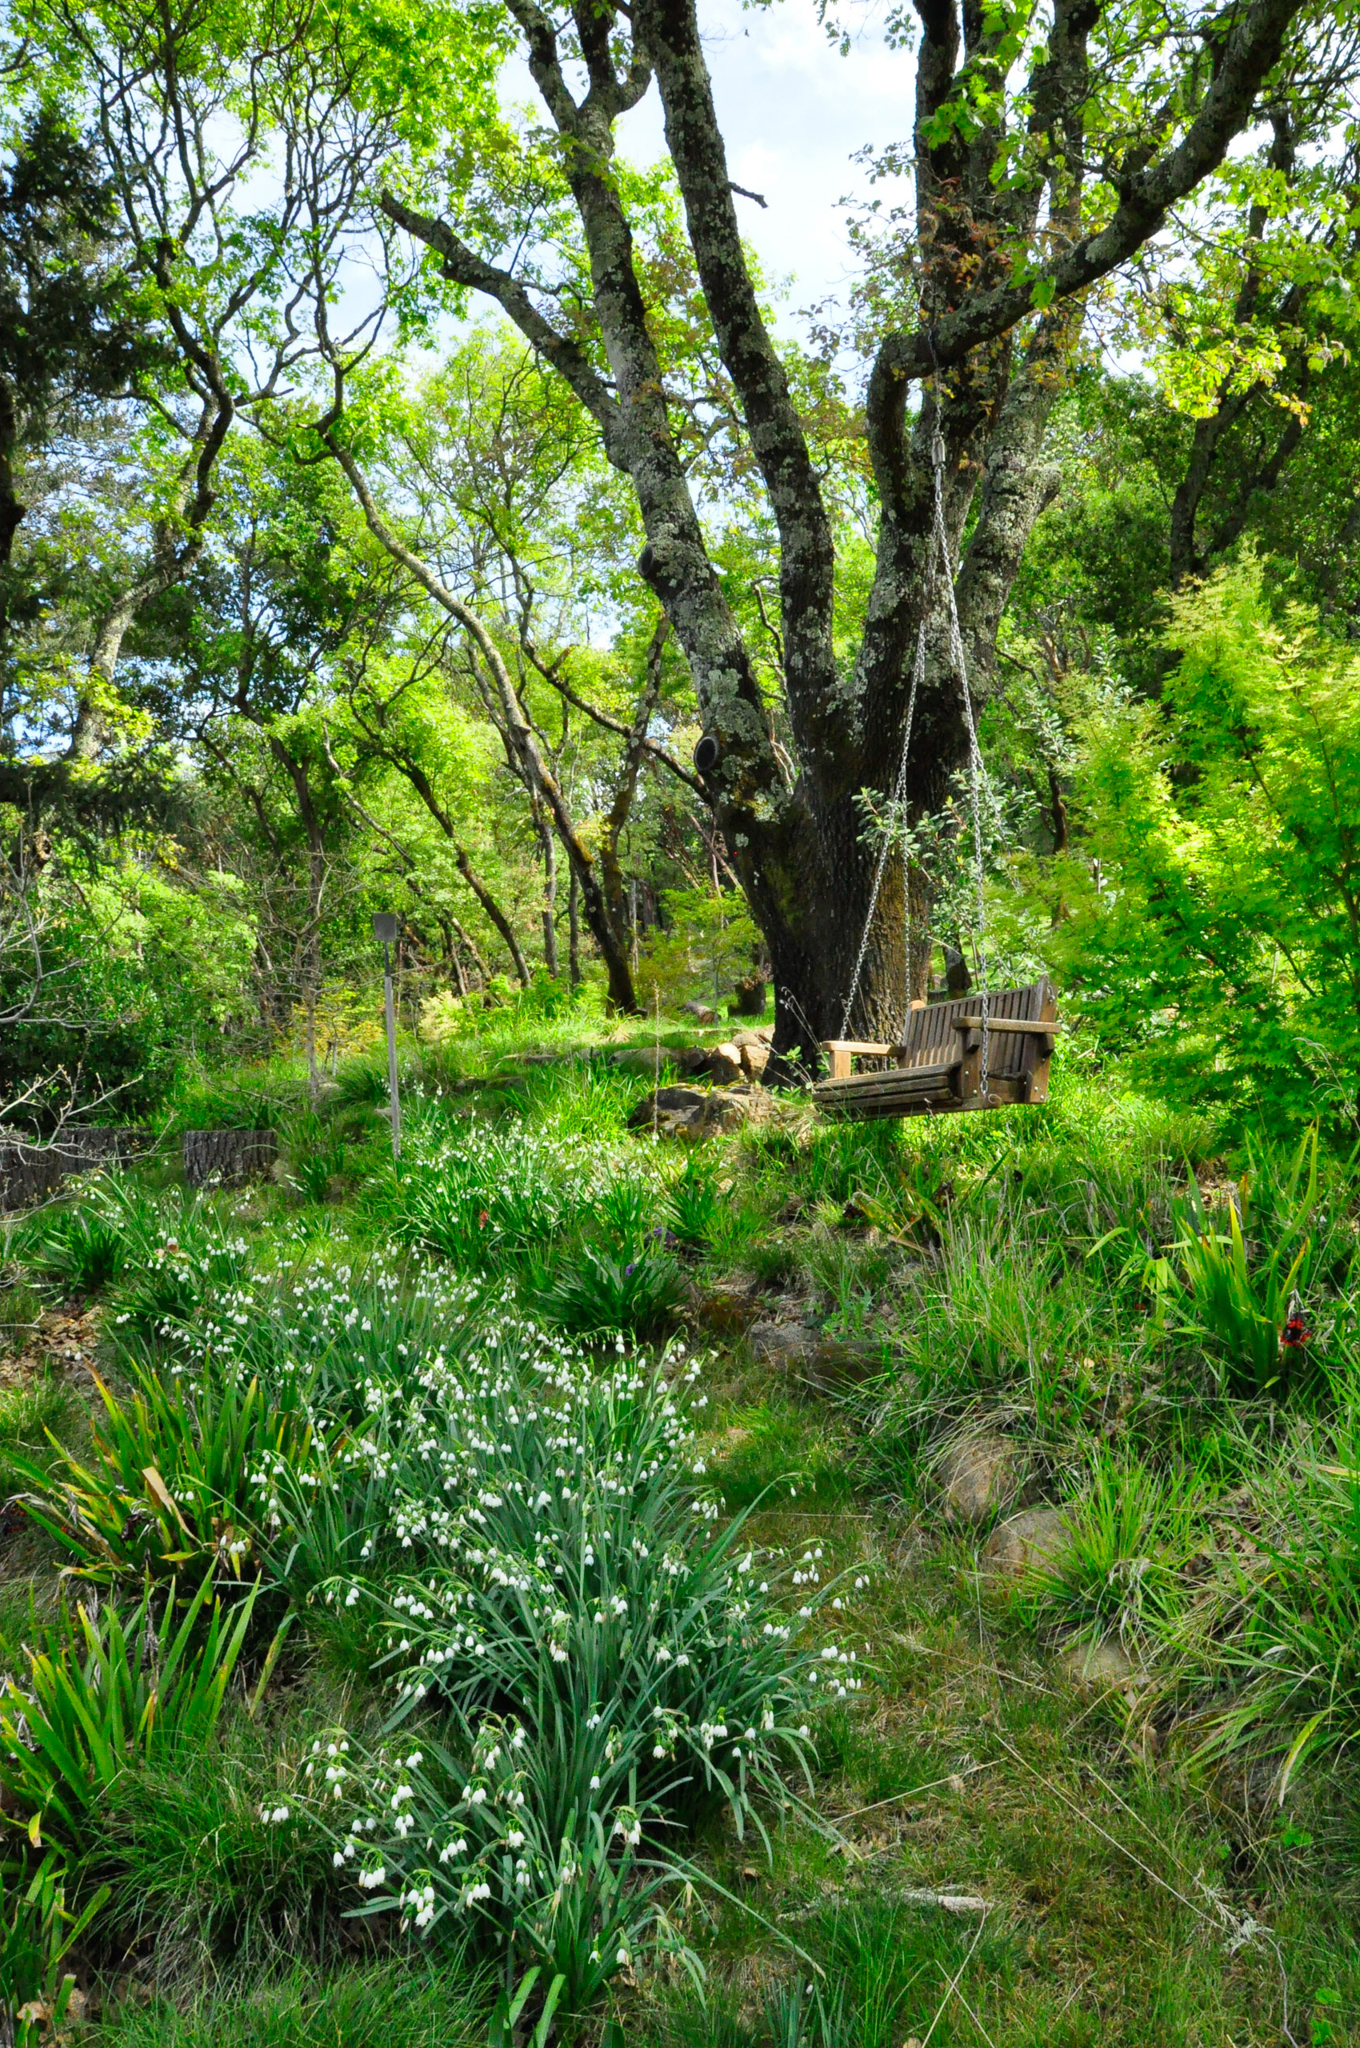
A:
x: 803, y: 1588
x: 522, y: 1523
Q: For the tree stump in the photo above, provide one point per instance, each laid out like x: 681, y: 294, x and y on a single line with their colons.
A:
x: 28, y: 1173
x: 227, y: 1158
x: 84, y: 1147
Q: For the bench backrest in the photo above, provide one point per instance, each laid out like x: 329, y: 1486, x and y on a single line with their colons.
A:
x: 932, y: 1037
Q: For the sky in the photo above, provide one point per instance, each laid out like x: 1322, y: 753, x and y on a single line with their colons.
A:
x: 793, y: 112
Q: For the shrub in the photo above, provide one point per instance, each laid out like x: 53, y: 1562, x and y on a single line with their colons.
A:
x: 1217, y: 949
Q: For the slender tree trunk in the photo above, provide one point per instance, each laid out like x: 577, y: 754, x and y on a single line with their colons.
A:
x: 549, y: 845
x: 574, y: 931
x: 495, y: 913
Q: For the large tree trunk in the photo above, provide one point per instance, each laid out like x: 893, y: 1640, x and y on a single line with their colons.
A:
x: 997, y: 257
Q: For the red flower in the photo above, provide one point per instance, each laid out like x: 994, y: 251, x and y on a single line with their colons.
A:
x: 483, y: 1217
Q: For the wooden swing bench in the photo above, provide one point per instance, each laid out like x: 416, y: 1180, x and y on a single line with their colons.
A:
x: 938, y: 1068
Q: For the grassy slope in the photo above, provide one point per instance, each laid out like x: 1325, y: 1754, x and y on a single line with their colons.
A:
x: 1118, y: 1884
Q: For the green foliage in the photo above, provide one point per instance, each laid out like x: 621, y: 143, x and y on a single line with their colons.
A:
x: 693, y: 1204
x: 159, y: 1258
x: 1223, y: 956
x: 1129, y: 1533
x: 1235, y: 1299
x: 36, y: 1417
x: 595, y: 1294
x: 37, y: 1933
x: 1267, y: 1663
x: 710, y: 944
x: 79, y: 1250
x: 105, y: 1688
x: 577, y: 1663
x: 406, y: 2002
x: 179, y: 1478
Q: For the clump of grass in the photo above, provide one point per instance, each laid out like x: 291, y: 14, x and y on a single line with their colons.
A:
x: 21, y: 1309
x: 1130, y: 1531
x: 78, y: 1250
x: 849, y: 1274
x: 770, y: 1452
x: 31, y: 1415
x: 104, y: 1688
x: 693, y: 1204
x: 406, y: 2002
x: 593, y: 1294
x: 191, y: 1855
x: 1269, y: 1655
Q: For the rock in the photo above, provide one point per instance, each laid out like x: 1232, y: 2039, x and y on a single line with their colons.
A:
x: 664, y: 1106
x: 1100, y: 1667
x: 753, y: 1038
x: 754, y: 1060
x: 783, y: 1343
x: 818, y: 1360
x: 720, y: 1063
x: 1038, y: 1536
x: 716, y: 1117
x: 694, y: 1114
x: 727, y: 1311
x: 977, y: 1476
x: 643, y: 1059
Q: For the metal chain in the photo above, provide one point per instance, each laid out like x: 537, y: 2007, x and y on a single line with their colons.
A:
x: 977, y: 774
x: 899, y: 798
x: 978, y: 781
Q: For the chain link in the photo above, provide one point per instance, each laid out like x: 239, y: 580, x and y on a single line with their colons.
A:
x: 978, y: 782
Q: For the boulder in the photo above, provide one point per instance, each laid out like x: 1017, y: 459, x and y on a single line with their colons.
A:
x: 694, y: 1114
x: 726, y: 1310
x: 1100, y: 1667
x: 664, y: 1106
x: 978, y: 1475
x: 1038, y: 1536
x: 650, y: 1060
x: 720, y: 1063
x: 724, y: 1064
x: 786, y: 1344
x: 717, y: 1116
x: 754, y: 1060
x: 823, y: 1362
